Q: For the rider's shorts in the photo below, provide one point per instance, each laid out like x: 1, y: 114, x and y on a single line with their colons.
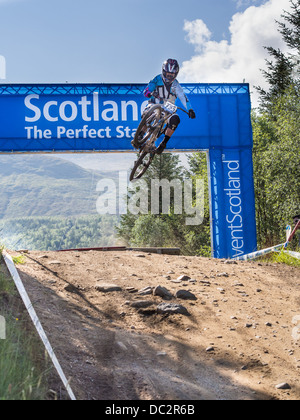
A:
x: 174, y: 122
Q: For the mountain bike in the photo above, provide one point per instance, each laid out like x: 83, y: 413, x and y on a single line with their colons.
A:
x: 152, y: 126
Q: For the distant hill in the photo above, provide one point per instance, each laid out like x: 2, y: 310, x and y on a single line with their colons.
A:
x: 49, y: 203
x: 45, y: 186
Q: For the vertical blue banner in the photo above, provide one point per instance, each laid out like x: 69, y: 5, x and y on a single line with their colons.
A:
x: 232, y: 203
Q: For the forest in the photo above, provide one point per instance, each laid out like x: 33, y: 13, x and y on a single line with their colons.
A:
x: 56, y: 233
x: 276, y: 130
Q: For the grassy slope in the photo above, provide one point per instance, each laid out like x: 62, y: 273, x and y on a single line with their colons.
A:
x: 23, y: 366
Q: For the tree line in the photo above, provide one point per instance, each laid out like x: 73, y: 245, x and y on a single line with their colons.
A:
x: 54, y: 233
x: 276, y: 130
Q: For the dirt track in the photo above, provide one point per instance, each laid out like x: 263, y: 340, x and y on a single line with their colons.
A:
x: 236, y: 343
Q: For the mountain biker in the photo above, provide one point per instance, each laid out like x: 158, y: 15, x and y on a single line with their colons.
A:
x: 166, y: 87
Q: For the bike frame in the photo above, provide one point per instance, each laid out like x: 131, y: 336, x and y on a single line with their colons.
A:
x: 157, y: 132
x: 148, y: 150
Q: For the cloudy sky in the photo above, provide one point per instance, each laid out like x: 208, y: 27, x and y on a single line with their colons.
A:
x: 116, y: 41
x: 239, y: 55
x: 127, y: 40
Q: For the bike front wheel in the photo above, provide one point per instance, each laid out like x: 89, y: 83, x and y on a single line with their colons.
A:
x: 141, y: 165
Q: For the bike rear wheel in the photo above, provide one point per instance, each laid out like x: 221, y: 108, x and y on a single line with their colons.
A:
x: 141, y: 165
x: 147, y: 125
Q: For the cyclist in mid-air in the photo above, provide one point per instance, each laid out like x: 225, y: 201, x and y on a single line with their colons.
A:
x: 166, y: 87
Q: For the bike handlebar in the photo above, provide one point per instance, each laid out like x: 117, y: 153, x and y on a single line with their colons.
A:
x: 183, y: 110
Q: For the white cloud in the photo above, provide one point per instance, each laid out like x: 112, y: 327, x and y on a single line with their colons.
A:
x: 197, y: 33
x: 246, y: 3
x: 243, y: 56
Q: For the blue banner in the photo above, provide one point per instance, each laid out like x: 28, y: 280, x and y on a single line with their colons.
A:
x: 99, y: 118
x: 68, y: 123
x: 107, y: 122
x: 233, y: 226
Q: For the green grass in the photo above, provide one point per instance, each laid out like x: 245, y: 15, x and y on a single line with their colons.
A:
x: 281, y: 258
x: 24, y: 366
x: 6, y: 287
x: 20, y: 259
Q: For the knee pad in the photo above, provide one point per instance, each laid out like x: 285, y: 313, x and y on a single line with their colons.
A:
x: 174, y: 122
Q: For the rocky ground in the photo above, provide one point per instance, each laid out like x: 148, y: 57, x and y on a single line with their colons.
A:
x: 141, y: 326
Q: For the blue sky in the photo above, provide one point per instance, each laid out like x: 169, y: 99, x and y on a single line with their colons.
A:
x: 103, y: 41
x: 126, y: 41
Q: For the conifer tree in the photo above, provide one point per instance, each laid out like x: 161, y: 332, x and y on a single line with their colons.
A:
x: 142, y: 229
x: 276, y: 136
x: 283, y: 69
x: 290, y: 28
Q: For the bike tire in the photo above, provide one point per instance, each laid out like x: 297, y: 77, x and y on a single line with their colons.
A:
x: 136, y: 173
x: 151, y: 124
